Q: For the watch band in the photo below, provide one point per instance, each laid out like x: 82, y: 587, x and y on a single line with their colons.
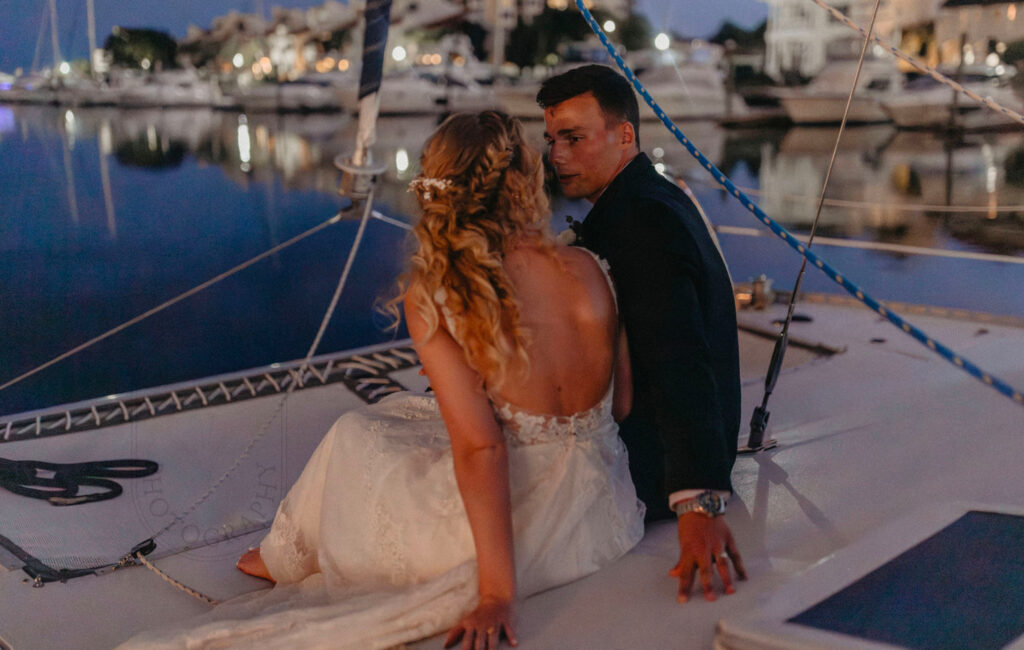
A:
x: 707, y: 503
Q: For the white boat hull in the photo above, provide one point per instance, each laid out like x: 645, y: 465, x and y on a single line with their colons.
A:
x: 867, y: 436
x: 414, y: 95
x: 827, y: 109
x: 935, y: 110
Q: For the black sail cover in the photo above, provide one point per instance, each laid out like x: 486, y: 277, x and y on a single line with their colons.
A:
x: 377, y: 15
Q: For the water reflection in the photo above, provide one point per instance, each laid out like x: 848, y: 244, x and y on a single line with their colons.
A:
x: 133, y: 206
x: 886, y: 185
x: 901, y: 187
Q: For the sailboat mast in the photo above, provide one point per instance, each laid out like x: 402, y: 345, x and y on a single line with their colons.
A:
x: 90, y: 13
x: 53, y: 33
x: 358, y: 170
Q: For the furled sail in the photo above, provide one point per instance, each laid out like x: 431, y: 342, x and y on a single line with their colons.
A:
x: 376, y: 16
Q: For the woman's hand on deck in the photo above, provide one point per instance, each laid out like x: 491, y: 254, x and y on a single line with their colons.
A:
x: 483, y: 628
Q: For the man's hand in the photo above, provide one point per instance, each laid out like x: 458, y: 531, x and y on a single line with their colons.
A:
x: 704, y: 541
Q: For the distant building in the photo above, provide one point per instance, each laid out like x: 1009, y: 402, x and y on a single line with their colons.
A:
x: 499, y: 17
x: 986, y: 26
x: 801, y: 37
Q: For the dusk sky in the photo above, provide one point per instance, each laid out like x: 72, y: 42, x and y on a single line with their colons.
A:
x: 21, y: 34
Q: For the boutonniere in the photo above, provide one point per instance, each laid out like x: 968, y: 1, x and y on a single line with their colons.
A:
x: 573, y: 235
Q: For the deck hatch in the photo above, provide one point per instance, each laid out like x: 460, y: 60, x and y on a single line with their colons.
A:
x: 963, y: 584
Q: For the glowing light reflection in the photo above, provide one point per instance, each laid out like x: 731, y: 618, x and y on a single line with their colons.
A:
x: 244, y: 143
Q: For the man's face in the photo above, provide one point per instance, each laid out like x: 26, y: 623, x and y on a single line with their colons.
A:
x: 585, y: 151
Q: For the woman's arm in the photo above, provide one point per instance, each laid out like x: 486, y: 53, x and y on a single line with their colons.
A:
x: 622, y: 397
x: 481, y: 470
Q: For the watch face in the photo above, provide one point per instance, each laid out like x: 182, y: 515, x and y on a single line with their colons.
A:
x: 710, y: 502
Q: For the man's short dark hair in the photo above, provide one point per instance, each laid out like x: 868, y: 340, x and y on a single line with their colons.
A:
x: 613, y: 92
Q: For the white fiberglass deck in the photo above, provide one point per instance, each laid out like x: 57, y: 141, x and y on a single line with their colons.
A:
x: 867, y: 439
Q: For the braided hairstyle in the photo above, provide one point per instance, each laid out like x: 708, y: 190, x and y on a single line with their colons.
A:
x: 481, y: 192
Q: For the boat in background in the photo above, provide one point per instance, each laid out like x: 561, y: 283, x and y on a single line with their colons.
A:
x: 179, y: 87
x: 823, y: 101
x: 314, y: 92
x: 425, y: 91
x: 690, y: 92
x: 32, y: 88
x: 924, y: 103
x: 688, y: 83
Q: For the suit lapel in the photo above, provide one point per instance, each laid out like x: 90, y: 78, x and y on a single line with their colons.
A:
x: 611, y: 205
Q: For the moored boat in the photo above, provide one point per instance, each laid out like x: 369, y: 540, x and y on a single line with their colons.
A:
x: 824, y: 99
x: 927, y: 104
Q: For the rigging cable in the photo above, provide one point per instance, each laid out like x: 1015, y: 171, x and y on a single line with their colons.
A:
x: 759, y: 420
x: 155, y: 310
x: 329, y: 313
x: 901, y: 249
x: 852, y: 288
x: 869, y: 205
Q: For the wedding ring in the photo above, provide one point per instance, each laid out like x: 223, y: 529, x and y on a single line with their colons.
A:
x: 491, y: 630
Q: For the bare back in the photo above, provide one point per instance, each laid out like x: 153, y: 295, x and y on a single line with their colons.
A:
x: 569, y: 310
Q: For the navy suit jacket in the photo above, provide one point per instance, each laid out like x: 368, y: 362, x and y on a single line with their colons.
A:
x: 676, y: 300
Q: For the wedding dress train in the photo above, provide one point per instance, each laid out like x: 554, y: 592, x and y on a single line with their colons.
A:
x: 372, y: 548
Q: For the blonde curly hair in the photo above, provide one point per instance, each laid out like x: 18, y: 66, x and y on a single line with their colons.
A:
x: 481, y: 192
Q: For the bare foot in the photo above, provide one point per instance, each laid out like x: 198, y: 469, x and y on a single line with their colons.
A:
x: 252, y: 563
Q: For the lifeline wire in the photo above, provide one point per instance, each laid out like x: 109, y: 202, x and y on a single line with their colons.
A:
x: 296, y: 378
x: 933, y: 345
x: 822, y: 241
x: 129, y: 557
x: 821, y: 202
x: 902, y: 249
x: 864, y: 205
x: 172, y: 301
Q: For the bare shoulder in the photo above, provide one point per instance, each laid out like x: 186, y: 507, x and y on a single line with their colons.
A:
x: 577, y: 255
x: 562, y: 260
x: 583, y: 264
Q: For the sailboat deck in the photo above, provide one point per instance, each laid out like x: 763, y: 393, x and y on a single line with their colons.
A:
x: 868, y: 438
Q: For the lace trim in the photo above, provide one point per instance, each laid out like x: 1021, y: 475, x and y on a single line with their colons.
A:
x: 606, y: 269
x: 286, y: 539
x: 382, y: 526
x: 524, y: 427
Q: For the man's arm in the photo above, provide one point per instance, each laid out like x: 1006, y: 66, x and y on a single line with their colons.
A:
x: 659, y: 271
x: 657, y: 267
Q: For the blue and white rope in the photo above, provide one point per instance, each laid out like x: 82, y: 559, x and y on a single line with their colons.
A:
x: 928, y: 70
x: 933, y: 345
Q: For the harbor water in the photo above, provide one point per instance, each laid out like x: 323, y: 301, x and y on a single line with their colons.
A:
x: 106, y: 213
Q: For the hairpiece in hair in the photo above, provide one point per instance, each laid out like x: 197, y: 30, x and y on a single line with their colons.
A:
x: 425, y: 185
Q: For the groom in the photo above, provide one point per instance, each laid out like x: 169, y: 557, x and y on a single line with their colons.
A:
x: 676, y: 301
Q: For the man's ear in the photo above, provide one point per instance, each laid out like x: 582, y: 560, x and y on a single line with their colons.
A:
x: 628, y: 134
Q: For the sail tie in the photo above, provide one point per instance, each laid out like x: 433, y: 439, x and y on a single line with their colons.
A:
x: 59, y: 483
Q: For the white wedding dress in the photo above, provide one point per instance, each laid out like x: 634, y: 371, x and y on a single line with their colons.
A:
x: 372, y: 548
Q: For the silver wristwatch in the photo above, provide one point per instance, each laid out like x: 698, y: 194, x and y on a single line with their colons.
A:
x: 707, y: 503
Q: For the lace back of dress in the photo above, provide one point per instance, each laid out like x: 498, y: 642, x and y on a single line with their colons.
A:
x: 524, y: 427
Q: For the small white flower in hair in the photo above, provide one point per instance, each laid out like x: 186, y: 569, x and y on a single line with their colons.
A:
x: 567, y: 237
x: 426, y: 185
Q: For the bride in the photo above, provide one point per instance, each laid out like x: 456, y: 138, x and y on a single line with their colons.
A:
x: 431, y: 512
